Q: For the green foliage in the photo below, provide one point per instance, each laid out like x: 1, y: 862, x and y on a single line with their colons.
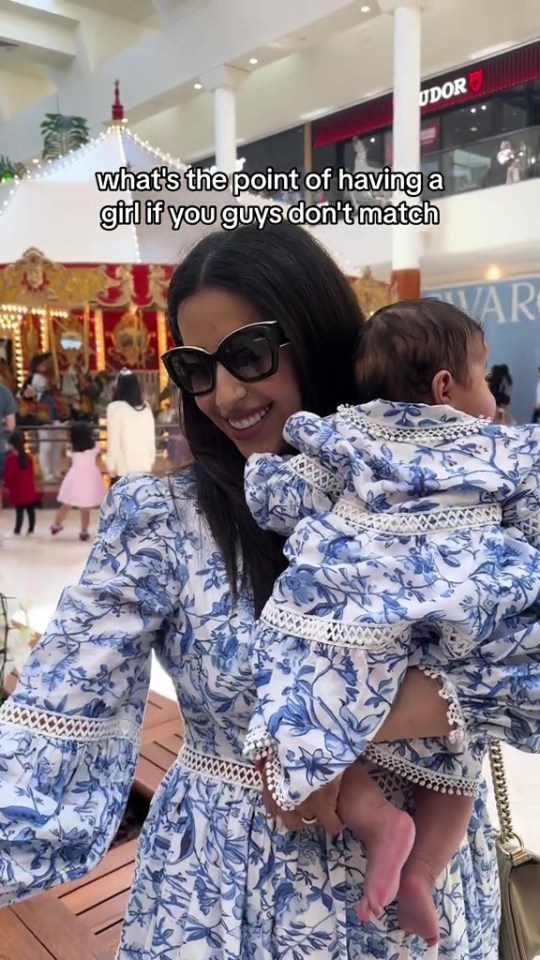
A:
x: 9, y: 169
x: 62, y: 134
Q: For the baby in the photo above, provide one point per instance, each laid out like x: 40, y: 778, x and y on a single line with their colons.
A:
x: 410, y: 512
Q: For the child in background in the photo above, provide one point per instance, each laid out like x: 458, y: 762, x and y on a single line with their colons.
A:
x: 20, y: 482
x: 412, y: 510
x: 82, y: 487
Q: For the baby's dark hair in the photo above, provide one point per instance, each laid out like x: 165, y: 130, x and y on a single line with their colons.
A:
x: 402, y: 346
x: 82, y: 437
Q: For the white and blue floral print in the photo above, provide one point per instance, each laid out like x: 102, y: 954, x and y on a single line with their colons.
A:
x: 397, y: 516
x: 216, y: 878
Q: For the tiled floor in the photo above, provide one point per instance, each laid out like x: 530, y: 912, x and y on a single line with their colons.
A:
x: 36, y: 569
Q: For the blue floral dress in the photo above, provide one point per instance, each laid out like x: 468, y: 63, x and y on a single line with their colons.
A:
x: 216, y: 879
x: 398, y: 515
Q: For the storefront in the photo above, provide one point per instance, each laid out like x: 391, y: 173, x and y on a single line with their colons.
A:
x: 480, y: 125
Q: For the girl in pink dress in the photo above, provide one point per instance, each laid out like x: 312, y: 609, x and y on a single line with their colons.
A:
x: 82, y: 486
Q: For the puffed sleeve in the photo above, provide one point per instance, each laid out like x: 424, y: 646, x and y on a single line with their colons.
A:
x: 281, y: 491
x: 69, y: 736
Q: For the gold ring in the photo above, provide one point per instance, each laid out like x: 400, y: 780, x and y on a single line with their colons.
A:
x: 309, y: 822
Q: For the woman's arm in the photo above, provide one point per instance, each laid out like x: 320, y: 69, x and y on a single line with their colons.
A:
x: 418, y: 712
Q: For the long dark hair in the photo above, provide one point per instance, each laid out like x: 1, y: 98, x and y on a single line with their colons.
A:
x: 288, y: 277
x: 128, y: 389
x: 499, y: 382
x: 81, y: 437
x: 18, y: 445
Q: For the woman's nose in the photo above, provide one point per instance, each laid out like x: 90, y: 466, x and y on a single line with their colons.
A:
x: 228, y: 390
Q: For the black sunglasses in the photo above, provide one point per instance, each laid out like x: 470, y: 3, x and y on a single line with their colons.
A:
x: 250, y: 354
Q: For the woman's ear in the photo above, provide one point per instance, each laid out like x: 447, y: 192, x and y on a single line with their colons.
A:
x: 442, y: 388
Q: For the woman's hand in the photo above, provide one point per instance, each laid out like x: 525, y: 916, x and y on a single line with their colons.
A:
x: 320, y: 809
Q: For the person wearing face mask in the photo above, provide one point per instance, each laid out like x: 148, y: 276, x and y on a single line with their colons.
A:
x: 265, y: 325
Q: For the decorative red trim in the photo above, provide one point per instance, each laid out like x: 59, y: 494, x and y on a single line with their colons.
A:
x: 482, y: 80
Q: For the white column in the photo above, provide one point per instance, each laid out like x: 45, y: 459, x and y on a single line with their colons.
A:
x: 223, y: 82
x: 406, y: 240
x: 225, y: 128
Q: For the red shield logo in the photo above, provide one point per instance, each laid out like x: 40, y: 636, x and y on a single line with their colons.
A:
x: 476, y: 80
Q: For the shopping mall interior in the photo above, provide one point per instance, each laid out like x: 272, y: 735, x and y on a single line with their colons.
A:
x: 403, y: 136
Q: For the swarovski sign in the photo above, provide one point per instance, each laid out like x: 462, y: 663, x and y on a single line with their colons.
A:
x: 472, y: 83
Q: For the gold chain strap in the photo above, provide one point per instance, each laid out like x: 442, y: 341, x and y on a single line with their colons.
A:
x: 507, y: 835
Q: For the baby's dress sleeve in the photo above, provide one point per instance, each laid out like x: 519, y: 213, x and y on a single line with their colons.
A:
x: 281, y: 491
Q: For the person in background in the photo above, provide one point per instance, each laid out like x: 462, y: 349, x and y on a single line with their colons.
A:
x: 82, y: 486
x: 20, y: 482
x: 8, y: 409
x: 500, y: 384
x: 536, y: 411
x: 131, y: 429
x: 50, y: 436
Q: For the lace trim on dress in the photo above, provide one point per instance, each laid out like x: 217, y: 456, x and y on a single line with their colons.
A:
x: 453, y: 518
x: 314, y: 475
x: 529, y: 526
x: 258, y: 745
x: 455, y: 716
x: 227, y: 771
x: 56, y: 725
x: 331, y: 632
x: 439, y: 782
x: 420, y: 435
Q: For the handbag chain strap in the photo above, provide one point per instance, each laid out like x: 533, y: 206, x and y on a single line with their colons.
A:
x: 508, y: 838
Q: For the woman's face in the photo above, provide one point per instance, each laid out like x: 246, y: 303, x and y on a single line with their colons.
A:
x: 252, y: 415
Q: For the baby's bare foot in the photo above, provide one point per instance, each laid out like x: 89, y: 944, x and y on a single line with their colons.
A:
x: 388, y: 845
x: 416, y: 911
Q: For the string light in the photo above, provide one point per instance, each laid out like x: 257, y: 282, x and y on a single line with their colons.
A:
x: 18, y: 353
x: 162, y: 347
x: 100, y: 339
x: 121, y: 130
x: 44, y: 332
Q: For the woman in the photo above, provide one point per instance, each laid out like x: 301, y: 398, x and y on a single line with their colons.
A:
x: 131, y: 429
x: 180, y: 568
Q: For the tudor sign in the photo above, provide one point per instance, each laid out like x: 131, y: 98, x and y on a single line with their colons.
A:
x: 470, y: 83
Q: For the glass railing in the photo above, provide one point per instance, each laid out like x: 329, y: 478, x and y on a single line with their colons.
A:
x: 505, y: 159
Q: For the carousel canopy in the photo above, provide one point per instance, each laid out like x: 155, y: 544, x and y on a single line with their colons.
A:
x: 57, y: 208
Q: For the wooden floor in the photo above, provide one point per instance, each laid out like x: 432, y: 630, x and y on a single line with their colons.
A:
x: 83, y: 920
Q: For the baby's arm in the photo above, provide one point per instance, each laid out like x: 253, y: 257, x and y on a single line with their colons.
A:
x: 280, y: 491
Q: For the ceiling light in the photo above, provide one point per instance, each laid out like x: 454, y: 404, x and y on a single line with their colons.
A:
x: 484, y: 106
x: 364, y: 9
x: 197, y: 86
x: 36, y: 160
x: 253, y: 61
x: 473, y: 109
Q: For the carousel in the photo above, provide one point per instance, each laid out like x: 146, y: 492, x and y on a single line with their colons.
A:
x: 84, y: 302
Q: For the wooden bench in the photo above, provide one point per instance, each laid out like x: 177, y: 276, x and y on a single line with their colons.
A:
x: 83, y: 920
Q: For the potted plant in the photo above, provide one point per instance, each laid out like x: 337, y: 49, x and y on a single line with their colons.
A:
x: 62, y: 134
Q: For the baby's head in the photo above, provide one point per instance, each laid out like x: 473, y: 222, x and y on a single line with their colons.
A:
x: 424, y: 351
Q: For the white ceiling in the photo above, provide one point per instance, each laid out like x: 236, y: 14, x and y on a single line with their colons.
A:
x: 314, y: 56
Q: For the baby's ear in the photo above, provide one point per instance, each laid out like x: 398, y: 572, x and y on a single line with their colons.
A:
x: 442, y: 388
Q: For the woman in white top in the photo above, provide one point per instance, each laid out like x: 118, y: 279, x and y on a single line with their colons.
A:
x: 131, y: 429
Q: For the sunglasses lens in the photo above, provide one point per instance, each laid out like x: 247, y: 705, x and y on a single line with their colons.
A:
x: 192, y: 371
x: 250, y: 355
